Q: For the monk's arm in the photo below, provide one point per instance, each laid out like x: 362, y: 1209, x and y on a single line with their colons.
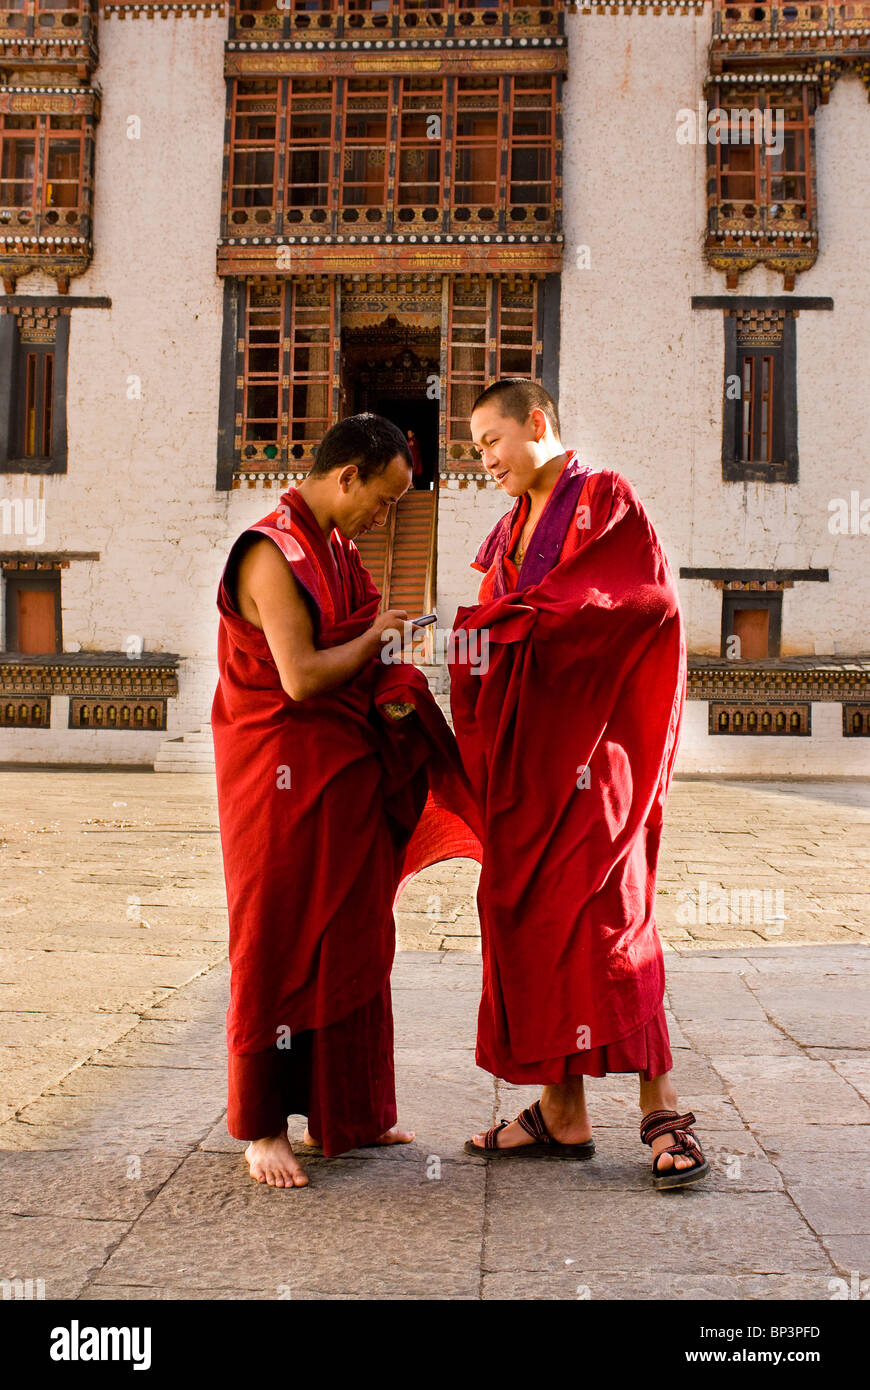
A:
x: 270, y: 598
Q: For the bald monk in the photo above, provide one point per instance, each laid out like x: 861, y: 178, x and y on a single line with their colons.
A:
x: 569, y: 737
x: 338, y: 778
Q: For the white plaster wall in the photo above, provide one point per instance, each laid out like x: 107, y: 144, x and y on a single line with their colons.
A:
x: 141, y: 482
x: 465, y: 518
x: 641, y: 379
x: 59, y: 744
x: 825, y: 752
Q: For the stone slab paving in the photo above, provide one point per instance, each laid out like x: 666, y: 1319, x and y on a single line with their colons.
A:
x: 118, y: 1178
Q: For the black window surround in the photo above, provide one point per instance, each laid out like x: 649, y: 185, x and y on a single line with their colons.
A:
x: 783, y: 466
x: 770, y: 601
x: 12, y: 360
x: 16, y: 580
x: 13, y: 354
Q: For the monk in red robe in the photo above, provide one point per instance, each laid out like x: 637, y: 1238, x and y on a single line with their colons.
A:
x: 337, y: 778
x: 416, y: 454
x: 568, y: 732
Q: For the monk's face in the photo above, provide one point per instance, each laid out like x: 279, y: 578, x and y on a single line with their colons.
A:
x: 510, y: 449
x: 362, y: 504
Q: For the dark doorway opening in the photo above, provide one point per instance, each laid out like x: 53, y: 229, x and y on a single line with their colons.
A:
x: 397, y: 381
x: 419, y: 415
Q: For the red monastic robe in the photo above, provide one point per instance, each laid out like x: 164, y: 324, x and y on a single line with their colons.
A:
x: 569, y: 739
x: 327, y: 807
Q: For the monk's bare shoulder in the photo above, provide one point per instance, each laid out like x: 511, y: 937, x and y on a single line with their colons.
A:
x: 265, y: 581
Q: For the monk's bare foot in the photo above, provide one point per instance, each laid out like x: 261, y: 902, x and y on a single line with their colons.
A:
x: 664, y: 1141
x: 660, y: 1094
x: 566, y: 1119
x: 390, y: 1136
x: 273, y: 1161
x: 397, y: 1136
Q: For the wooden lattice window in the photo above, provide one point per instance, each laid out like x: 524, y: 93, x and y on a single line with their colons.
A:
x: 419, y: 150
x: 467, y: 356
x: 471, y: 154
x: 760, y: 154
x: 34, y: 349
x: 36, y: 400
x: 254, y: 162
x: 42, y: 158
x: 531, y: 148
x: 19, y: 136
x: 365, y: 149
x: 474, y: 194
x: 288, y: 353
x: 57, y: 19
x: 310, y: 140
x: 516, y: 115
x: 756, y: 406
x: 65, y: 145
x: 789, y: 191
x: 494, y: 330
x: 759, y: 431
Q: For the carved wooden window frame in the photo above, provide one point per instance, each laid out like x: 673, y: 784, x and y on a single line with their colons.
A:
x: 761, y: 170
x: 479, y: 318
x: 299, y: 92
x: 408, y: 20
x: 14, y: 352
x: 46, y: 130
x: 246, y: 93
x: 246, y: 366
x: 410, y: 212
x: 370, y: 100
x: 272, y: 209
x: 782, y: 467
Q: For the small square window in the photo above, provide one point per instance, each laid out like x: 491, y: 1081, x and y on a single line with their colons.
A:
x: 751, y: 625
x: 33, y: 613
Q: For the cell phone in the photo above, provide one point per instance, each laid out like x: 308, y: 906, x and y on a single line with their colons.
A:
x: 424, y: 621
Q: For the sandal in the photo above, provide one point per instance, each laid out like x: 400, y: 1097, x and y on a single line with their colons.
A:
x: 545, y: 1146
x: 659, y: 1122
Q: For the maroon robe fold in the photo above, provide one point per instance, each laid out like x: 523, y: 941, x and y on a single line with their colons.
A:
x: 569, y: 739
x: 327, y: 806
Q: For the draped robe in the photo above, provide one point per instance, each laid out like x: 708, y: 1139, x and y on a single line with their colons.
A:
x: 568, y: 731
x: 327, y: 807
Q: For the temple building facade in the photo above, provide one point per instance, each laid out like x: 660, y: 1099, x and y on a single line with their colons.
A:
x: 224, y: 226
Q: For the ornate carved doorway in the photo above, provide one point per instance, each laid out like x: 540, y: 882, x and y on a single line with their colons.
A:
x: 392, y: 368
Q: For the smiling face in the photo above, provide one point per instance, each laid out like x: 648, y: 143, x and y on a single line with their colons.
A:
x: 361, y: 505
x: 510, y: 450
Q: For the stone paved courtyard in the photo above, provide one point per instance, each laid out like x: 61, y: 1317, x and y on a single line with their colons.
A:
x: 117, y: 1176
